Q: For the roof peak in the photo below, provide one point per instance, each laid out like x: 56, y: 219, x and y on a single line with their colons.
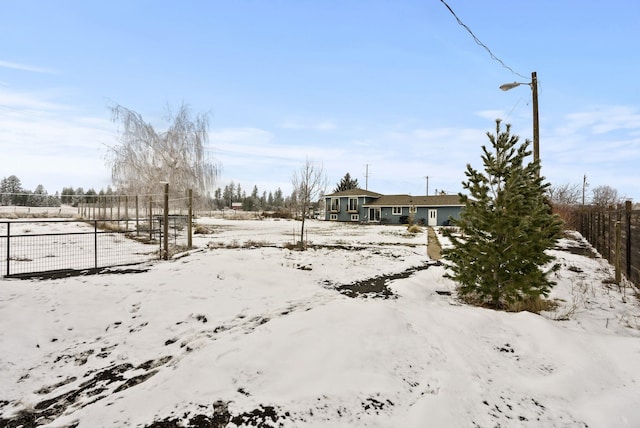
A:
x: 355, y: 192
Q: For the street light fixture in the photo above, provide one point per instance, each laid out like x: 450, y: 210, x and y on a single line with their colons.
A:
x: 536, y: 126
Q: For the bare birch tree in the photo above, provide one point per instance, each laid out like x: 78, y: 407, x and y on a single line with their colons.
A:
x: 309, y: 183
x: 145, y: 157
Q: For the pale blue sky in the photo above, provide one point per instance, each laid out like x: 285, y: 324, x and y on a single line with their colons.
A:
x: 395, y: 85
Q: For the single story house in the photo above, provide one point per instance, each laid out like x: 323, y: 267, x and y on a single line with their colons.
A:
x: 364, y: 206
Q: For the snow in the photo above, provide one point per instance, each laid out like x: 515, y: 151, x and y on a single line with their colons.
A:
x: 253, y: 333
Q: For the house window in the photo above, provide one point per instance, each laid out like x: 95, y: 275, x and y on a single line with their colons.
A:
x: 333, y: 217
x: 355, y: 217
x: 412, y: 209
x: 353, y: 204
x: 335, y: 204
x: 396, y: 211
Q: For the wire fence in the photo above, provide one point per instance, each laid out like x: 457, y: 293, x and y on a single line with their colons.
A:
x: 615, y: 233
x: 30, y: 247
x: 104, y: 235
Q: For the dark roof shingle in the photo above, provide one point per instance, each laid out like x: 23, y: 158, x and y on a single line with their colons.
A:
x: 355, y: 192
x: 418, y: 201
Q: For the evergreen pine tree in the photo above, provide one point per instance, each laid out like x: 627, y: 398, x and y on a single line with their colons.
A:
x: 506, y: 227
x: 11, y: 189
x: 346, y: 183
x: 278, y: 198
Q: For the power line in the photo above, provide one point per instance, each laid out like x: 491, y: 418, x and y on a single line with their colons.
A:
x: 478, y: 42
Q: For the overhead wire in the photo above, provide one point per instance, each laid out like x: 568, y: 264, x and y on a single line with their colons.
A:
x: 479, y: 42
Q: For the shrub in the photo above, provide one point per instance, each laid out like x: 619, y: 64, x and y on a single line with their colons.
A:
x: 414, y: 228
x: 202, y: 230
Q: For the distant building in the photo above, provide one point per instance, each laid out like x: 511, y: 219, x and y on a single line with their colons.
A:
x: 363, y: 206
x: 237, y: 206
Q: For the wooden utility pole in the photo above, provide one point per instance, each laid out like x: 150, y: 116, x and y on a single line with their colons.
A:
x: 366, y: 177
x: 165, y: 225
x: 536, y: 122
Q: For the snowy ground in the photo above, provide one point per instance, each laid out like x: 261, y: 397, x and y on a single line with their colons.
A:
x: 243, y: 332
x: 13, y: 211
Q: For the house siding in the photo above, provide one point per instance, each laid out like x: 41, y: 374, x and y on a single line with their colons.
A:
x: 344, y: 214
x: 421, y: 215
x: 414, y: 207
x: 446, y: 213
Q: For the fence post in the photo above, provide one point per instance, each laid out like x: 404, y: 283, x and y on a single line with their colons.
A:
x: 150, y: 218
x: 8, y: 246
x: 618, y: 250
x: 189, y: 217
x: 137, y: 217
x: 95, y: 243
x: 609, y: 218
x: 165, y: 254
x: 597, y: 231
x: 588, y: 223
x: 627, y: 209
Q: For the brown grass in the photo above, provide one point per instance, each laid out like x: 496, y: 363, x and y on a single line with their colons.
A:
x: 414, y: 228
x: 433, y: 245
x: 201, y: 230
x: 534, y: 305
x: 531, y: 304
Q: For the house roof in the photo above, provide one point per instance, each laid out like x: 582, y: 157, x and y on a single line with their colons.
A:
x: 354, y: 192
x: 400, y: 200
x: 408, y: 200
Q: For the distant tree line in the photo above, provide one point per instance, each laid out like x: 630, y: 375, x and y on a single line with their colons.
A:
x: 12, y: 193
x: 275, y: 200
x: 77, y: 196
x: 254, y: 201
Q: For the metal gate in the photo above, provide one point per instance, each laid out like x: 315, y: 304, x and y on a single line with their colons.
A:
x: 39, y: 247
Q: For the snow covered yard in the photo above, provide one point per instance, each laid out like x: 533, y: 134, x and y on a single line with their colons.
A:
x: 243, y: 332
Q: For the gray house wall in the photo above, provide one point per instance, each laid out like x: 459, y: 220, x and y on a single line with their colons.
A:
x: 343, y: 214
x: 385, y: 205
x: 445, y: 213
x: 422, y: 214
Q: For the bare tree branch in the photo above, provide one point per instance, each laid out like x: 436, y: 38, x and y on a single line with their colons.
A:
x: 603, y: 196
x: 565, y: 194
x: 309, y: 183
